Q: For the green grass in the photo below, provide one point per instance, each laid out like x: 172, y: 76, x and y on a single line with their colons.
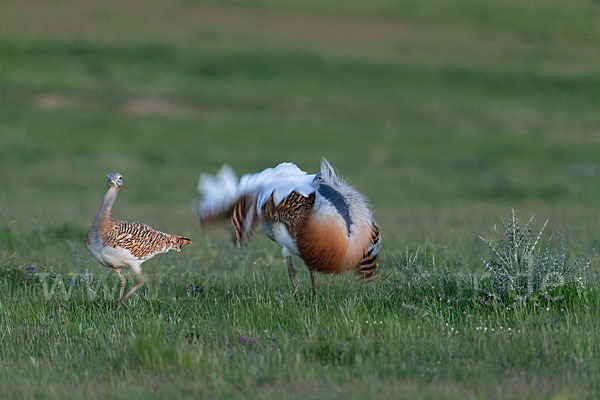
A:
x: 445, y: 115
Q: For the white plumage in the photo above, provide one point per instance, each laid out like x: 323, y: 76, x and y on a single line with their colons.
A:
x: 221, y: 190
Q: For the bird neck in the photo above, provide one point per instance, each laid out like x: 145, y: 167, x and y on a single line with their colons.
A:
x: 106, y: 207
x: 331, y: 201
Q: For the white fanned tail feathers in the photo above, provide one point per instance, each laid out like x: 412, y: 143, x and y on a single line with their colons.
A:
x: 219, y: 192
x: 222, y: 191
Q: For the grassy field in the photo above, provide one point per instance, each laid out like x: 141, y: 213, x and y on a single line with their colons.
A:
x: 446, y: 114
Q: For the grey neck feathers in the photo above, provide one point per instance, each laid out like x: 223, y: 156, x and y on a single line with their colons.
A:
x: 107, y: 203
x: 338, y: 201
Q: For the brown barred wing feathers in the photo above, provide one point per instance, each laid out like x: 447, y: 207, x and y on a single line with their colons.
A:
x: 244, y: 219
x: 292, y: 211
x: 140, y: 240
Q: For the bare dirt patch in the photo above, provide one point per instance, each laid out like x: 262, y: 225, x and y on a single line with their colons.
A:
x: 156, y: 106
x: 54, y: 101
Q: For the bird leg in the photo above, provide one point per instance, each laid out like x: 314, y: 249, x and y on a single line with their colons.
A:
x: 314, y: 284
x: 138, y: 285
x: 292, y: 274
x: 122, y: 283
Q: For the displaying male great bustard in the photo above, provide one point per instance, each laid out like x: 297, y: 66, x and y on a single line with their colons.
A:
x: 318, y: 217
x: 118, y: 244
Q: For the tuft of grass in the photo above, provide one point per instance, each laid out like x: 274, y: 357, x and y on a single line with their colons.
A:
x: 422, y: 278
x: 523, y: 269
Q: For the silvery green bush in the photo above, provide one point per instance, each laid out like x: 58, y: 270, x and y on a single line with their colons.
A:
x: 521, y: 267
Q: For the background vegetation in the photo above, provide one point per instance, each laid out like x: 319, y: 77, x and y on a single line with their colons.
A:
x: 446, y: 114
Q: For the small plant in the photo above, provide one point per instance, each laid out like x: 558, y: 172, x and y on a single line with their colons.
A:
x: 522, y: 269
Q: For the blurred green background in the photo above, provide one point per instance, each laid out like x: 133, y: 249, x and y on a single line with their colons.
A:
x: 446, y: 114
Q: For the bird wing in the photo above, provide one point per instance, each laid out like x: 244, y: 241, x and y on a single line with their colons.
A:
x: 142, y: 241
x: 221, y: 193
x: 277, y: 183
x: 291, y: 211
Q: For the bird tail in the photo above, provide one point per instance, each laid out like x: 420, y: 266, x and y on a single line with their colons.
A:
x: 224, y: 197
x: 219, y: 193
x: 183, y: 240
x: 178, y: 241
x: 367, y: 268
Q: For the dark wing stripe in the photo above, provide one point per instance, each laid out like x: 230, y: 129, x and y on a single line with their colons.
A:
x: 338, y: 202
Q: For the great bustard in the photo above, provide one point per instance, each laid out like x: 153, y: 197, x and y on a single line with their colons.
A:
x: 318, y: 217
x: 118, y: 244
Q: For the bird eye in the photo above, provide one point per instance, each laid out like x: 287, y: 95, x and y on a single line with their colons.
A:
x: 320, y: 178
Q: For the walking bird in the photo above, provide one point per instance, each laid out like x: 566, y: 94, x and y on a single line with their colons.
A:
x: 318, y: 217
x: 118, y: 244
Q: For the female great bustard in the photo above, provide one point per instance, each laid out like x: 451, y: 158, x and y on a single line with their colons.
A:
x: 117, y: 244
x: 318, y: 217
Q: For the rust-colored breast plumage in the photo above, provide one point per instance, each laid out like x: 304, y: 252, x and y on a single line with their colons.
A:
x: 139, y: 239
x: 323, y: 243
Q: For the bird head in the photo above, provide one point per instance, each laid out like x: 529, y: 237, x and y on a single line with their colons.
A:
x: 115, y: 179
x: 328, y: 177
